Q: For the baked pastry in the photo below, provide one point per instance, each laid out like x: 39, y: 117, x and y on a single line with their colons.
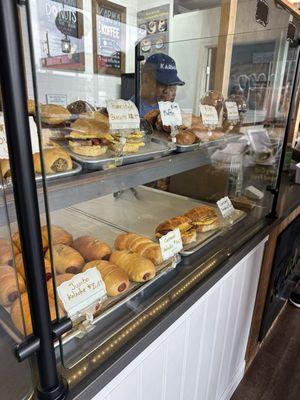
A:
x: 183, y: 223
x: 58, y: 235
x: 53, y: 114
x: 65, y: 259
x: 213, y: 98
x: 17, y: 242
x: 91, y: 248
x: 11, y: 285
x: 31, y: 107
x: 96, y: 116
x: 79, y: 107
x: 56, y: 159
x: 204, y: 218
x: 151, y: 116
x: 115, y: 278
x: 186, y: 137
x: 138, y: 268
x: 6, y: 249
x: 90, y: 128
x: 5, y: 168
x: 20, y: 311
x: 160, y: 127
x: 20, y: 266
x: 126, y: 148
x: 140, y: 245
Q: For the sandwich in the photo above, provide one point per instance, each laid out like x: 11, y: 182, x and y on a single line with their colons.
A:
x: 204, y: 218
x: 183, y: 223
x: 87, y: 137
x: 52, y: 114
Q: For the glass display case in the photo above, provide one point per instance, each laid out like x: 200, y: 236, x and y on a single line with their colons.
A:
x: 141, y: 197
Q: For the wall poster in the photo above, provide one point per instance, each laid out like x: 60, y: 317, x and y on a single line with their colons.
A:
x: 109, y: 25
x: 154, y: 30
x: 61, y: 34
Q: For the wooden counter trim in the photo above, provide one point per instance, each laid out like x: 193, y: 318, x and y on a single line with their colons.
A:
x: 266, y: 269
x: 291, y: 7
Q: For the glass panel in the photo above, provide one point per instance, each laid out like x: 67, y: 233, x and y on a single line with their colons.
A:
x: 12, y: 291
x: 105, y: 182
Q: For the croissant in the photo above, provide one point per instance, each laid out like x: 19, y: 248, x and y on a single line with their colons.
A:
x: 91, y: 248
x: 138, y: 268
x: 141, y: 245
x: 11, y: 285
x: 66, y: 259
x: 20, y: 312
x: 17, y: 242
x: 21, y: 271
x: 55, y: 160
x: 115, y: 278
x: 6, y: 249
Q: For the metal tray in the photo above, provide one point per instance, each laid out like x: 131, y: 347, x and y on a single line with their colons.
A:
x: 57, y: 175
x: 153, y: 149
x: 142, y: 209
x: 80, y: 224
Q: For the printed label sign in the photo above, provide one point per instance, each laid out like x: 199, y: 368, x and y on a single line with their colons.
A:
x: 226, y: 207
x: 170, y: 244
x: 82, y: 291
x: 3, y: 144
x: 123, y: 115
x: 232, y: 111
x: 34, y: 136
x: 58, y: 99
x: 170, y: 113
x: 209, y: 115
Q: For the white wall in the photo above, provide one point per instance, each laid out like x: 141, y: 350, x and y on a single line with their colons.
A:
x: 202, y: 355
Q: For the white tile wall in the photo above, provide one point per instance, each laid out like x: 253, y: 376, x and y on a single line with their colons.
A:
x: 201, y: 356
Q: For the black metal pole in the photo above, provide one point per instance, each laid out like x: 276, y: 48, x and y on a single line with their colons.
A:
x: 13, y: 88
x: 276, y: 190
x: 137, y: 76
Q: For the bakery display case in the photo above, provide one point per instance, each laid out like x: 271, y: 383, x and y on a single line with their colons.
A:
x: 136, y: 201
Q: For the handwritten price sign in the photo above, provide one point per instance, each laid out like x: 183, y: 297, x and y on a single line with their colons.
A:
x: 170, y: 244
x: 170, y: 113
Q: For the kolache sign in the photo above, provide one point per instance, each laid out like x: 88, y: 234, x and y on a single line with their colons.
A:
x: 109, y: 37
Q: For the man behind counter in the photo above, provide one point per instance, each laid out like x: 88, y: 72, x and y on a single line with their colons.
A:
x: 159, y: 81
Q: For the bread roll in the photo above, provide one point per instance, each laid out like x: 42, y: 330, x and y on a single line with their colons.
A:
x: 52, y: 114
x: 58, y: 235
x: 18, y: 312
x: 89, y: 129
x: 55, y: 159
x: 138, y: 268
x: 91, y: 248
x: 21, y: 271
x: 115, y: 278
x: 140, y: 245
x: 17, y: 241
x: 6, y: 249
x: 66, y: 259
x: 5, y: 168
x: 11, y: 285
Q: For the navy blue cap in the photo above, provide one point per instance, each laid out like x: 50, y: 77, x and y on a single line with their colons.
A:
x: 165, y: 69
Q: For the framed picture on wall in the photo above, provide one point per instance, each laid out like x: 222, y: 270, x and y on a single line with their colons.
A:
x: 61, y: 34
x: 109, y: 27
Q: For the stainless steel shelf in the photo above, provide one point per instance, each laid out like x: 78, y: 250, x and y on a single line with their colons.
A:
x: 69, y: 191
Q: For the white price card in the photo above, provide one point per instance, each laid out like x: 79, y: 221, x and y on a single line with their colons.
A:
x: 170, y: 113
x: 232, y: 111
x: 34, y: 136
x: 226, y: 207
x: 123, y: 115
x: 170, y: 244
x: 209, y: 115
x: 58, y: 99
x: 82, y: 291
x: 3, y: 142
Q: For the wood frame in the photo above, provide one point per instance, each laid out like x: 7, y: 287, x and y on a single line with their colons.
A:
x: 265, y: 274
x: 119, y: 9
x: 291, y: 7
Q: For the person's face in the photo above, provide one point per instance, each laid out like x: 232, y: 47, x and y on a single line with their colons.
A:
x: 165, y: 93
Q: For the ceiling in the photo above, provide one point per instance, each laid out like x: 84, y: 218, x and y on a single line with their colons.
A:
x: 183, y: 6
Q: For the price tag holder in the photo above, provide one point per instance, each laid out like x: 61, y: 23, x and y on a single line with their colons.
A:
x: 209, y: 115
x: 123, y: 115
x: 3, y: 142
x: 82, y: 291
x: 170, y: 113
x: 226, y: 207
x: 232, y: 111
x: 170, y: 244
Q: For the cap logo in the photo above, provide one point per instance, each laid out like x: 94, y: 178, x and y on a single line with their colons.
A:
x: 168, y: 67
